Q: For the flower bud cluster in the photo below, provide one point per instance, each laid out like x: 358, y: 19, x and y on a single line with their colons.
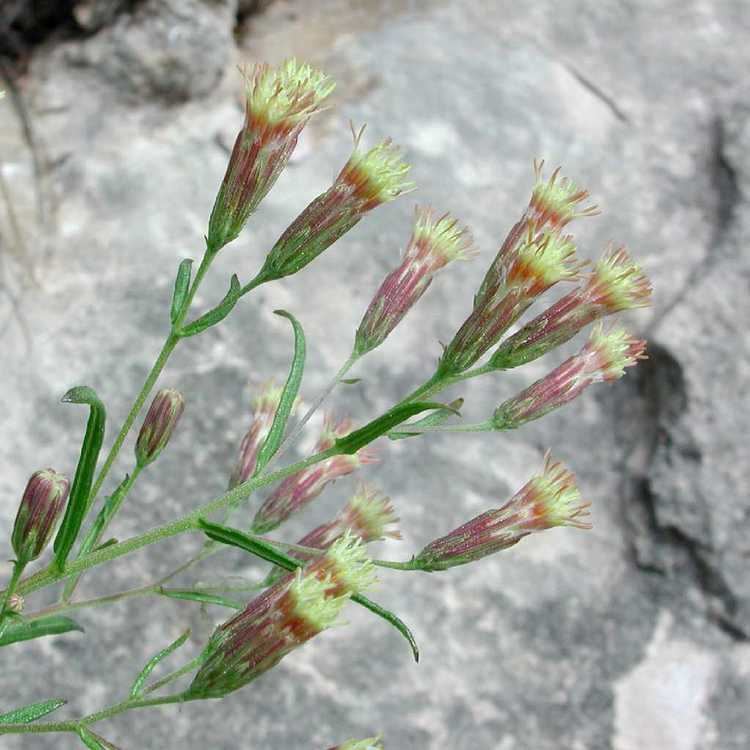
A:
x: 41, y: 506
x: 278, y: 104
x: 160, y: 422
x: 435, y: 242
x: 604, y: 357
x: 285, y: 616
x: 547, y: 500
x: 366, y: 181
x: 296, y: 491
x: 264, y: 407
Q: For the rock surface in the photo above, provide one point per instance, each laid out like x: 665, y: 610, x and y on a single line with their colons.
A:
x: 631, y: 636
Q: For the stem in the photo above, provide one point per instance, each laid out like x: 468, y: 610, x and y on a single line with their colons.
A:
x: 15, y: 577
x: 408, y: 565
x: 294, y: 434
x: 189, y: 667
x: 486, y: 426
x: 186, y: 523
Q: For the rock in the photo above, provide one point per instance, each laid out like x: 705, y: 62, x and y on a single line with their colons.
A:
x: 631, y: 635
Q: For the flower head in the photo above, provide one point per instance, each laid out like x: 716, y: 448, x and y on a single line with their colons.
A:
x: 160, y: 422
x: 278, y: 103
x: 604, y: 357
x: 286, y: 615
x: 435, y: 242
x: 525, y: 268
x: 616, y: 283
x: 264, y: 407
x: 296, y: 491
x: 547, y: 500
x: 41, y: 506
x: 555, y: 202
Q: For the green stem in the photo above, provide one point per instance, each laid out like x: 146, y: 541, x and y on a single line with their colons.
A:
x: 15, y: 577
x: 486, y: 426
x: 186, y: 523
x: 189, y: 667
x: 412, y: 564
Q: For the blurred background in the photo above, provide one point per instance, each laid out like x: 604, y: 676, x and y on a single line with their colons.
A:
x: 114, y: 135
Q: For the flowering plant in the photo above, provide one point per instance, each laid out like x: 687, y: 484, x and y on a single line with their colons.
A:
x: 329, y: 568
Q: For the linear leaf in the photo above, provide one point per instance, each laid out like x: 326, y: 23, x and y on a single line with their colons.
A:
x: 32, y: 712
x: 268, y: 552
x: 200, y: 596
x: 388, y: 616
x: 93, y: 741
x: 217, y: 314
x: 78, y: 503
x: 102, y: 518
x: 181, y: 288
x: 140, y: 681
x: 437, y: 417
x: 358, y: 439
x: 27, y: 631
x: 288, y: 395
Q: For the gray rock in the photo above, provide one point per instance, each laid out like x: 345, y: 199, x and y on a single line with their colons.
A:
x: 630, y: 636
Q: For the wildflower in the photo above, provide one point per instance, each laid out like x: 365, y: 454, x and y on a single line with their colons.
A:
x: 278, y: 104
x: 41, y: 506
x: 617, y: 283
x: 264, y: 410
x: 366, y: 181
x: 296, y: 491
x: 525, y: 270
x: 547, y: 500
x: 435, y: 242
x: 160, y: 422
x: 298, y: 607
x: 604, y: 357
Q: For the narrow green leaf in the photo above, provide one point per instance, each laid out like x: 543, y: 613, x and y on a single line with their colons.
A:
x: 200, y: 596
x: 27, y: 631
x: 236, y: 538
x: 268, y: 552
x: 103, y: 518
x: 437, y: 417
x: 32, y: 712
x: 93, y: 741
x: 140, y: 681
x: 217, y: 314
x: 78, y: 502
x: 389, y: 617
x: 181, y: 288
x: 350, y: 381
x: 358, y: 439
x: 288, y: 396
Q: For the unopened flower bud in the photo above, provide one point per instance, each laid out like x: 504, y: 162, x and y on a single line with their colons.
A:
x: 366, y: 181
x: 278, y: 103
x: 547, y: 500
x: 15, y: 603
x: 296, y: 491
x: 371, y: 743
x: 41, y: 506
x: 160, y: 422
x: 281, y: 619
x: 526, y: 270
x: 617, y: 283
x: 264, y: 410
x: 435, y: 242
x: 604, y: 357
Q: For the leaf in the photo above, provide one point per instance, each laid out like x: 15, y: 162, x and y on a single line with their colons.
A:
x: 105, y: 514
x: 389, y: 617
x: 181, y: 288
x: 268, y: 552
x: 350, y: 381
x: 358, y: 439
x: 78, y: 503
x: 93, y: 740
x: 288, y: 396
x: 200, y: 596
x: 32, y: 712
x: 236, y: 538
x: 217, y: 314
x: 437, y: 417
x: 27, y: 631
x: 140, y: 681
